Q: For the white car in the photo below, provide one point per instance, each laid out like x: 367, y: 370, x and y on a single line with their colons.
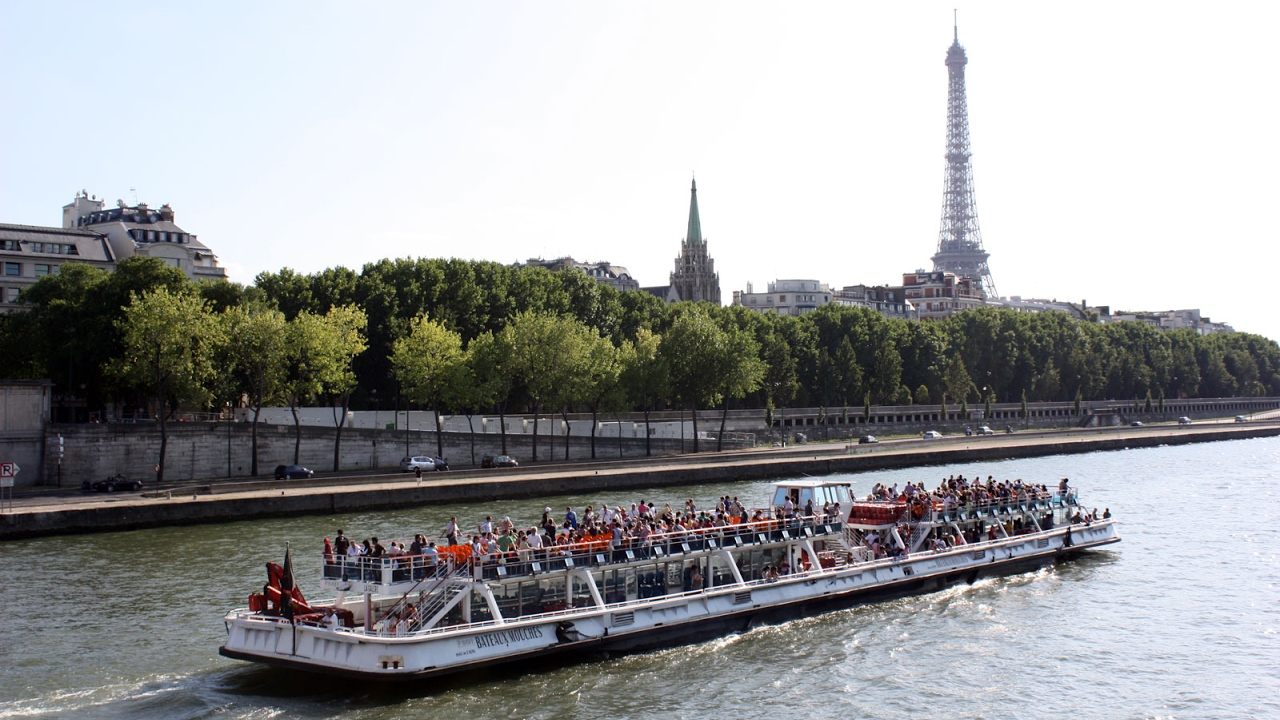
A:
x: 931, y: 434
x: 425, y: 462
x: 984, y: 430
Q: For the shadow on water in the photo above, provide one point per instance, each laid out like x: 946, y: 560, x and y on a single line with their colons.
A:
x: 288, y: 684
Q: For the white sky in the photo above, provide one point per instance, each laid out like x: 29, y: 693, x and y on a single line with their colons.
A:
x: 1120, y: 150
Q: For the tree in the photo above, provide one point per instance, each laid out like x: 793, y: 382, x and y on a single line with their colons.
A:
x: 849, y: 371
x: 780, y: 374
x: 600, y: 380
x: 644, y: 375
x: 259, y: 359
x: 428, y: 362
x: 986, y: 407
x: 492, y: 375
x: 1026, y: 419
x: 957, y: 381
x: 168, y: 346
x: 694, y: 351
x: 314, y: 354
x: 887, y: 375
x: 344, y: 340
x: 741, y: 372
x: 543, y: 357
x: 922, y: 395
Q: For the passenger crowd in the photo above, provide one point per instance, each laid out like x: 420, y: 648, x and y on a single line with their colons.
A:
x: 594, y: 529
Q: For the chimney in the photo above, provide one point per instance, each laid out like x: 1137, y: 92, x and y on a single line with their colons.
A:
x: 166, y: 213
x: 143, y: 215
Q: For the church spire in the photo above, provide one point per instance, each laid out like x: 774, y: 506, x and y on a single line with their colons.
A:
x: 694, y: 237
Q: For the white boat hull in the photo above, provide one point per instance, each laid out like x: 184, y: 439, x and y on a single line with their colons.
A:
x: 644, y: 624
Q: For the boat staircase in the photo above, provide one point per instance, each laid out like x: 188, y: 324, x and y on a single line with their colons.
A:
x: 433, y: 596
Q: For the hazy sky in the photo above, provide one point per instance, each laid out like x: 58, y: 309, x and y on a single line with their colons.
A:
x: 1121, y: 151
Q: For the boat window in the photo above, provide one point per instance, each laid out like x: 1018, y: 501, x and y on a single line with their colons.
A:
x: 582, y: 592
x: 806, y: 495
x: 779, y: 497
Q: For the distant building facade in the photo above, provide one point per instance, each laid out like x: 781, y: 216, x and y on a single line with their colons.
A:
x: 890, y: 301
x: 28, y: 253
x: 1081, y: 311
x: 615, y: 276
x: 142, y: 231
x: 786, y: 297
x: 939, y: 294
x: 694, y: 278
x: 1189, y: 319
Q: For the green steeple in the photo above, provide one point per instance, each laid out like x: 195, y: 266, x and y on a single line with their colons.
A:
x: 695, y: 223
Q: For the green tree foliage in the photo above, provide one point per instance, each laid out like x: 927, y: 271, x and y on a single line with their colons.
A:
x: 169, y: 345
x: 693, y: 350
x: 428, y: 363
x: 644, y: 375
x: 957, y: 381
x: 343, y: 341
x: 71, y: 332
x: 258, y: 361
x: 545, y: 352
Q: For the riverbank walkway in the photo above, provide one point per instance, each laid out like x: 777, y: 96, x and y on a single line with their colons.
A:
x: 49, y: 511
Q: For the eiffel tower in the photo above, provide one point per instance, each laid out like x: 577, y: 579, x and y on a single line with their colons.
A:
x: 959, y: 240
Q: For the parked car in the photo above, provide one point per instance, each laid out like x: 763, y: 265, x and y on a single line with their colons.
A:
x: 984, y: 430
x: 292, y: 472
x: 867, y: 440
x: 1136, y: 423
x: 1241, y: 418
x: 1184, y: 420
x: 424, y: 462
x: 112, y: 484
x: 932, y: 434
x: 497, y: 461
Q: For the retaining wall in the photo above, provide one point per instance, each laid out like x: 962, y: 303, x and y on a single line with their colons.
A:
x: 199, y: 451
x: 457, y: 487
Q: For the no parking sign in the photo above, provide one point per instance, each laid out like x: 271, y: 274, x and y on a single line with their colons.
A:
x: 8, y: 470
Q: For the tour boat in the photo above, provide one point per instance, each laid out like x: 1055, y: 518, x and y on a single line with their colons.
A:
x: 411, y: 617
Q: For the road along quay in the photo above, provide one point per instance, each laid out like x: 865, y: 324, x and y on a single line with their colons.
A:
x: 56, y: 515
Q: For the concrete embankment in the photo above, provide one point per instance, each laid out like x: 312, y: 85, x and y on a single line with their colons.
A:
x: 52, y: 516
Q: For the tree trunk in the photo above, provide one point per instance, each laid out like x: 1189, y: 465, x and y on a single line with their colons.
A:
x: 253, y: 443
x: 164, y: 443
x: 435, y: 409
x: 297, y: 433
x: 593, y: 433
x: 564, y: 413
x: 535, y: 431
x: 339, y: 422
x: 724, y: 417
x: 695, y: 429
x: 647, y: 433
x: 618, y: 420
x: 502, y: 421
x: 473, y: 438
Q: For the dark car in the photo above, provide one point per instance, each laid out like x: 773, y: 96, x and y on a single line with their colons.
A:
x: 867, y: 440
x: 441, y: 464
x: 112, y: 484
x: 292, y: 472
x: 497, y: 461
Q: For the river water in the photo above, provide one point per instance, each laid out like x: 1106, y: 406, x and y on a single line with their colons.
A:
x: 1180, y: 620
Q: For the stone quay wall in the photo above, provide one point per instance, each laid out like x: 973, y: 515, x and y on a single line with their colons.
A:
x: 199, y: 451
x: 305, y: 499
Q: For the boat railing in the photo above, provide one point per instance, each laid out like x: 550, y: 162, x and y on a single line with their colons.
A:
x: 600, y: 551
x: 657, y: 546
x: 386, y: 570
x: 936, y: 510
